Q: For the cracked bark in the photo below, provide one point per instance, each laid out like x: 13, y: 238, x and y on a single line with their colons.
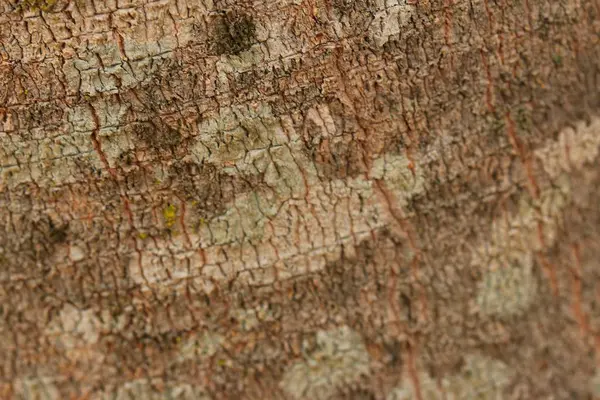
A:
x: 299, y: 199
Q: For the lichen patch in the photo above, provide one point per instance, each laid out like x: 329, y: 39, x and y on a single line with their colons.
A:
x: 507, y: 289
x: 37, y: 388
x: 340, y: 359
x: 573, y: 149
x: 200, y: 346
x: 390, y: 18
x: 403, y: 177
x: 76, y: 332
x: 508, y: 285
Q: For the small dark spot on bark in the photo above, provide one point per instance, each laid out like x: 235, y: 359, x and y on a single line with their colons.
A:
x: 157, y: 136
x: 126, y: 158
x: 38, y: 239
x: 57, y: 233
x: 42, y: 114
x: 406, y: 304
x: 394, y: 351
x: 233, y: 33
x: 358, y: 394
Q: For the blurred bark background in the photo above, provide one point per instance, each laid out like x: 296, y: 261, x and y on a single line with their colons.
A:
x: 288, y: 199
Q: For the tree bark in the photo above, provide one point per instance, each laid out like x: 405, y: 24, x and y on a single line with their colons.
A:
x: 320, y: 199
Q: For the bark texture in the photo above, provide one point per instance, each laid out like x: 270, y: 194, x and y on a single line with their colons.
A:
x: 288, y: 199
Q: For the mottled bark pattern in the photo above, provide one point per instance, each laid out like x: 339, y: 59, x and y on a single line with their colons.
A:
x: 322, y: 199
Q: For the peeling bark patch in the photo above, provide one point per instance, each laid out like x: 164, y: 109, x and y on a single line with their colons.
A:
x: 339, y: 359
x: 233, y: 33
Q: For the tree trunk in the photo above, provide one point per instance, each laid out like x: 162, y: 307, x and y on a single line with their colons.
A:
x: 320, y: 199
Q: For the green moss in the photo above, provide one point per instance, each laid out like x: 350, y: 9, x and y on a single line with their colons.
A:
x: 497, y: 125
x: 524, y: 119
x: 557, y: 60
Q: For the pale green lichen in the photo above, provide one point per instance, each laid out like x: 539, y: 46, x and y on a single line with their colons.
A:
x: 244, y: 221
x: 249, y: 319
x: 390, y: 16
x: 508, y: 286
x: 75, y: 327
x: 234, y: 133
x: 200, y: 347
x: 76, y: 333
x: 339, y: 360
x: 480, y: 378
x: 59, y: 160
x: 573, y: 149
x: 100, y: 68
x: 402, y: 177
x: 507, y: 289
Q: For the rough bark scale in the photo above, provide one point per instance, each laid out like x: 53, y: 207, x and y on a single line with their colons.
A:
x: 362, y: 199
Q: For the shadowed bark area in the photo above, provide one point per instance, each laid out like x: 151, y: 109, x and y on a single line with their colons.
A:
x: 299, y: 199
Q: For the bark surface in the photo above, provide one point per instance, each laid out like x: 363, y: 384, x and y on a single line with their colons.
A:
x: 289, y: 199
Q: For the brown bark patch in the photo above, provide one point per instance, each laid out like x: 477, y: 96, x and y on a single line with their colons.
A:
x: 208, y: 189
x: 156, y: 136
